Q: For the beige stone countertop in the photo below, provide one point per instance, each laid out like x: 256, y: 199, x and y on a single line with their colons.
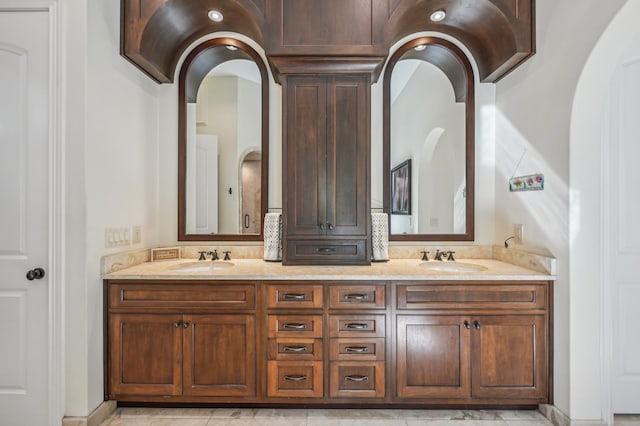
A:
x: 395, y: 269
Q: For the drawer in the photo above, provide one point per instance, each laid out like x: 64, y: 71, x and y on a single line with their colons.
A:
x: 357, y: 380
x: 357, y: 325
x: 180, y: 295
x: 295, y: 326
x: 357, y: 296
x: 294, y: 296
x: 472, y: 296
x: 295, y: 349
x: 357, y: 349
x: 344, y: 252
x: 294, y: 379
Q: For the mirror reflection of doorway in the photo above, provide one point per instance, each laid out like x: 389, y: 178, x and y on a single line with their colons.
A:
x: 250, y: 215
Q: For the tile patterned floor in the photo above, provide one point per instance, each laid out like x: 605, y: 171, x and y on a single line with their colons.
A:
x: 129, y: 416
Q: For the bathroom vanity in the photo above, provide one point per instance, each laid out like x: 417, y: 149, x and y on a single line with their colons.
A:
x: 392, y: 334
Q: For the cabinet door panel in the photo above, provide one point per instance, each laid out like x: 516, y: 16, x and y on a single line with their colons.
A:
x: 509, y: 356
x: 347, y: 156
x: 432, y: 357
x: 219, y: 355
x: 145, y: 354
x: 306, y: 169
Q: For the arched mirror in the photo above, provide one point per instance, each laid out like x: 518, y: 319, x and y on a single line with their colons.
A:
x: 223, y: 147
x: 428, y: 146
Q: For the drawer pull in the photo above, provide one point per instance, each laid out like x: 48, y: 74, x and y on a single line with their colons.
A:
x: 294, y: 296
x: 355, y: 297
x: 294, y: 326
x: 356, y: 326
x: 296, y: 349
x: 356, y: 349
x: 295, y: 378
x: 326, y: 250
x: 356, y: 378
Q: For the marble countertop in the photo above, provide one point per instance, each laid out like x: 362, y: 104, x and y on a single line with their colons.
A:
x: 395, y: 269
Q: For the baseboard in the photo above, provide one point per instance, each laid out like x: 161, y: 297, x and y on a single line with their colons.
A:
x: 558, y: 418
x: 96, y: 417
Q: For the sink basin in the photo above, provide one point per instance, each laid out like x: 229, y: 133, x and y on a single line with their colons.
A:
x: 452, y: 266
x: 203, y: 266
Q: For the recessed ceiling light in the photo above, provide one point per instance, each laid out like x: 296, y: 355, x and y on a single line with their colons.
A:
x: 420, y: 47
x: 230, y: 47
x: 438, y: 15
x: 215, y: 15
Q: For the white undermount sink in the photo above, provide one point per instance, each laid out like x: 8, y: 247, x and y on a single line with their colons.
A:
x: 448, y: 266
x: 203, y: 266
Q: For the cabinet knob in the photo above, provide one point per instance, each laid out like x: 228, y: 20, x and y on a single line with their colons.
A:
x: 355, y: 326
x: 330, y: 226
x: 476, y: 324
x: 294, y: 326
x: 186, y: 325
x: 322, y: 226
x: 295, y: 349
x: 467, y: 325
x: 176, y: 324
x: 356, y: 378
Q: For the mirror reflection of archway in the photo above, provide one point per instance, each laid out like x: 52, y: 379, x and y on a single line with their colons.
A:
x: 249, y: 183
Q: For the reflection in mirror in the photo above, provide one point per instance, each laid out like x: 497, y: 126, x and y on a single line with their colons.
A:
x: 429, y: 125
x: 223, y: 146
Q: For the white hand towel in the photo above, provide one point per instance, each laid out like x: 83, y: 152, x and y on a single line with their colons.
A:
x: 380, y: 236
x: 273, y: 237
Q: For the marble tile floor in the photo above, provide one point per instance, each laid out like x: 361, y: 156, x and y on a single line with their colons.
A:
x: 130, y: 416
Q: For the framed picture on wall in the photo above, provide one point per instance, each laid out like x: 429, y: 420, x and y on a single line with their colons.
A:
x: 401, y: 188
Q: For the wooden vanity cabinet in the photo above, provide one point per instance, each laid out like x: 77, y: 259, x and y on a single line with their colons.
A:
x: 475, y: 343
x: 326, y: 169
x: 180, y: 340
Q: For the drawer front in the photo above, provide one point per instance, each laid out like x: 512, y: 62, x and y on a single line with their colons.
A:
x: 357, y: 325
x: 294, y: 296
x: 472, y: 296
x: 294, y: 379
x: 357, y: 380
x: 345, y: 252
x: 294, y: 326
x: 357, y: 296
x: 357, y: 349
x: 179, y: 295
x: 295, y: 349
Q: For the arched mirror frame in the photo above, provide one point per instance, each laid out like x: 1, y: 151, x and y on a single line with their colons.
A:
x: 460, y: 73
x: 244, y: 52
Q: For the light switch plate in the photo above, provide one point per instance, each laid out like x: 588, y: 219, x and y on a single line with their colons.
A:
x: 518, y: 230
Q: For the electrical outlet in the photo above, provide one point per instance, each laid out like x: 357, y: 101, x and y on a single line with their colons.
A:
x: 117, y: 237
x: 518, y: 230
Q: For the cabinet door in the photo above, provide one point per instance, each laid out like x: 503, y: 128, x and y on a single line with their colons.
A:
x: 145, y: 354
x: 348, y: 156
x: 509, y: 357
x: 433, y: 357
x: 219, y: 355
x: 305, y: 167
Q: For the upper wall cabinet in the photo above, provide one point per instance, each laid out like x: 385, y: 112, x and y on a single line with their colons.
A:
x: 498, y: 33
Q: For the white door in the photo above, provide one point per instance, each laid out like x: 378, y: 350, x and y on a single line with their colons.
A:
x: 623, y: 245
x: 24, y: 201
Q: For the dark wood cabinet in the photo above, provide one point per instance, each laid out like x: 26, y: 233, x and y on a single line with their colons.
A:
x: 167, y: 340
x: 345, y: 343
x: 502, y: 355
x: 327, y: 169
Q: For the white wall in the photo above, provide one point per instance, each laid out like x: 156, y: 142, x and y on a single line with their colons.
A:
x: 533, y: 113
x: 118, y: 147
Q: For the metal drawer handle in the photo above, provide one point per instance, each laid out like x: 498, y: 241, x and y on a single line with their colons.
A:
x: 355, y: 297
x: 356, y: 349
x: 356, y: 378
x: 295, y: 348
x: 355, y: 326
x: 294, y: 326
x: 294, y: 296
x: 326, y: 250
x: 295, y: 378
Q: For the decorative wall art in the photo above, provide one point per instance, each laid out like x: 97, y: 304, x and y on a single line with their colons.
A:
x: 401, y: 188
